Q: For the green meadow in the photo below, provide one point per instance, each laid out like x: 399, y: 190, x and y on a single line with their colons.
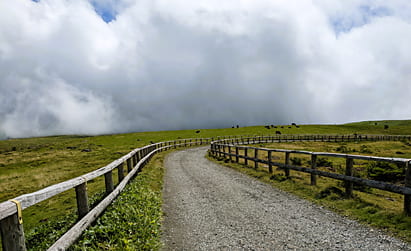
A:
x: 29, y: 164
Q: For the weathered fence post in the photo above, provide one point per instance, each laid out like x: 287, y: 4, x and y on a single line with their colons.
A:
x: 287, y: 162
x: 255, y: 158
x: 270, y: 165
x: 229, y: 154
x: 236, y: 154
x: 313, y: 166
x: 245, y: 156
x: 349, y: 172
x: 407, y: 198
x: 108, y: 179
x: 82, y: 199
x: 12, y: 232
x: 120, y: 170
x: 129, y: 165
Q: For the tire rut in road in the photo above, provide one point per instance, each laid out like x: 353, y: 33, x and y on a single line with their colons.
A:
x: 211, y: 207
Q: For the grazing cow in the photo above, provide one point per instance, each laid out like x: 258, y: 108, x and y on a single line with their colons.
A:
x: 267, y: 127
x: 293, y: 124
x: 277, y: 132
x: 198, y: 131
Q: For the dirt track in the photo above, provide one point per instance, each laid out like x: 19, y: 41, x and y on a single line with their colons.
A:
x: 211, y: 207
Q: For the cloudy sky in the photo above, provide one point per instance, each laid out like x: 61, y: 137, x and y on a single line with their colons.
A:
x: 94, y: 67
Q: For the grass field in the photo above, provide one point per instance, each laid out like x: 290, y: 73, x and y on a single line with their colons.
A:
x: 380, y: 209
x: 27, y: 165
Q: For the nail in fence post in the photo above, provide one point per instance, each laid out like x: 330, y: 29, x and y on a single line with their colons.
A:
x: 349, y: 172
x: 313, y: 166
x: 245, y: 156
x: 270, y: 166
x: 287, y: 162
x: 407, y: 198
x: 12, y: 234
x: 255, y: 158
x: 82, y: 199
x: 108, y: 179
x: 236, y: 154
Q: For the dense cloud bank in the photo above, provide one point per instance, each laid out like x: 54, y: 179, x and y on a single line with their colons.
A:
x: 92, y: 67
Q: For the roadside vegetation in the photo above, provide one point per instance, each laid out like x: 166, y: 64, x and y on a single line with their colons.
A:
x: 27, y: 165
x: 379, y: 209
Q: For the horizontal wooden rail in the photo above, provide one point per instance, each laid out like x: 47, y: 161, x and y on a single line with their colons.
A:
x: 224, y: 148
x: 12, y: 232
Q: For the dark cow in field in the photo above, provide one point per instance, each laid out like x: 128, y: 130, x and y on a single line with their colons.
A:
x: 277, y: 132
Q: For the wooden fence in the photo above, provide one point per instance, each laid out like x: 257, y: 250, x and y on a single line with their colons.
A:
x: 230, y: 149
x: 11, y: 227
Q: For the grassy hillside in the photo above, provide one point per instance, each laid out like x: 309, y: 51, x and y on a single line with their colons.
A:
x: 27, y: 165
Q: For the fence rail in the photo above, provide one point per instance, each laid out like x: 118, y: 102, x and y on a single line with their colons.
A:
x: 230, y: 149
x: 11, y: 227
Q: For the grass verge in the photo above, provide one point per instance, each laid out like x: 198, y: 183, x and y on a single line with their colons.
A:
x: 379, y: 209
x: 133, y: 220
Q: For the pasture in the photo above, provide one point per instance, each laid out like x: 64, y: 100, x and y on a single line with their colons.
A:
x: 27, y: 165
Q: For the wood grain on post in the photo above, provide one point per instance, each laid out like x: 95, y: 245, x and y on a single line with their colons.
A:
x: 407, y: 198
x: 270, y: 165
x: 82, y: 199
x: 287, y: 162
x: 120, y: 170
x: 245, y: 156
x: 236, y: 155
x: 108, y: 179
x: 313, y: 166
x: 255, y: 158
x: 12, y: 234
x: 129, y: 165
x: 349, y: 172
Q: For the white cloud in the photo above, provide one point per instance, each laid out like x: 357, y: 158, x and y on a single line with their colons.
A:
x: 178, y: 64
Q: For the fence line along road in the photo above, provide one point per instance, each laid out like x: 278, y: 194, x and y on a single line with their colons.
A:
x: 229, y: 149
x: 11, y: 222
x: 11, y: 226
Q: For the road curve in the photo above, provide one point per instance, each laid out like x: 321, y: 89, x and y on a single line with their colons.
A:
x: 211, y: 207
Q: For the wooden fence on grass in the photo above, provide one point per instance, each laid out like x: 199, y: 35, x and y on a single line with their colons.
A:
x: 11, y: 227
x: 230, y: 149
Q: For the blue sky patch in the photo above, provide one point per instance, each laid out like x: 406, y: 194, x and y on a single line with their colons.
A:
x: 364, y: 15
x: 105, y: 11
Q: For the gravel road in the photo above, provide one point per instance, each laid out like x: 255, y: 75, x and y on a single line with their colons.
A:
x: 211, y: 207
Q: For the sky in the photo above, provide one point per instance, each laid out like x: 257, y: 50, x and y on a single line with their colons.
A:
x: 99, y: 67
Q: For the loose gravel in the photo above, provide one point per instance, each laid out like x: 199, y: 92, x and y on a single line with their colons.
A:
x: 211, y: 207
